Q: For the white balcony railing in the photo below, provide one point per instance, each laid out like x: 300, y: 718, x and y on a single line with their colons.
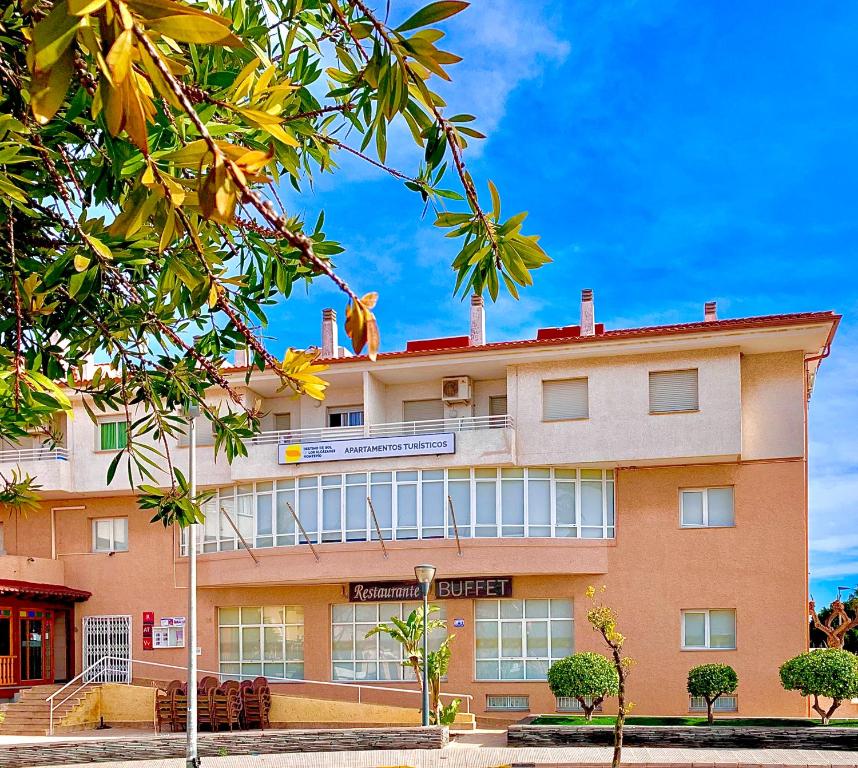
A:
x: 430, y: 426
x: 14, y: 455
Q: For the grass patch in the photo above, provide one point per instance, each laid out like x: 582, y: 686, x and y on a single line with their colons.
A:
x: 769, y: 722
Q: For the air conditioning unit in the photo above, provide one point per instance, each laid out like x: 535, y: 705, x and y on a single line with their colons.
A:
x: 456, y: 389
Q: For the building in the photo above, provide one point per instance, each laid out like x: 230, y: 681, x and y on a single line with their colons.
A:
x: 668, y: 464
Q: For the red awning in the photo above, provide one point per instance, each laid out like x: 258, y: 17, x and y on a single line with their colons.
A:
x: 55, y: 592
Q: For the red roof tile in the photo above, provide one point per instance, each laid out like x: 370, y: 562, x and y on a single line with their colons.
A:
x: 42, y: 591
x: 702, y: 326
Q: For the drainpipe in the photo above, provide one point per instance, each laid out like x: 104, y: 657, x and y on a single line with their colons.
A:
x: 54, y: 511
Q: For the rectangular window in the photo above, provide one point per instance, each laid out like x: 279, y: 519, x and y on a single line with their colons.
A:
x: 571, y: 704
x: 354, y: 656
x: 112, y: 435
x: 508, y: 703
x: 709, y: 629
x: 351, y: 416
x: 673, y: 391
x: 707, y: 507
x: 722, y: 704
x: 565, y: 399
x: 498, y: 405
x: 422, y: 410
x: 520, y: 639
x: 110, y: 534
x: 487, y: 502
x: 282, y: 422
x: 261, y: 640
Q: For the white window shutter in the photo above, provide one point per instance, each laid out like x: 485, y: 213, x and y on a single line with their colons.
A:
x: 672, y: 391
x: 498, y: 405
x: 565, y: 399
x: 423, y: 410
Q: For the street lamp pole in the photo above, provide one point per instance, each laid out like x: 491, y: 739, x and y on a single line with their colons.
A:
x: 425, y: 574
x: 192, y: 759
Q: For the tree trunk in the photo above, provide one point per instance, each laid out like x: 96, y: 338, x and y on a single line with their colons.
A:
x: 709, y: 704
x: 588, y: 711
x: 621, y: 711
x: 825, y: 714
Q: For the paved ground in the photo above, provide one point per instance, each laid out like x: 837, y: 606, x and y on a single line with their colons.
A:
x: 477, y: 749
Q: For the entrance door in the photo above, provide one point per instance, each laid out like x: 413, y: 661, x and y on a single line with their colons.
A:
x: 107, y: 649
x: 36, y: 660
x: 61, y: 622
x: 7, y: 656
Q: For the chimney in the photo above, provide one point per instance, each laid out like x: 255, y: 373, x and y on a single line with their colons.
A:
x: 710, y: 311
x: 588, y: 317
x: 477, y: 336
x: 330, y: 346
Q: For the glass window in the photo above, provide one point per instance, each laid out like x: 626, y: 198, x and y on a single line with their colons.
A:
x: 112, y: 435
x: 412, y: 504
x: 707, y: 508
x: 709, y: 629
x: 110, y: 534
x: 351, y: 416
x: 266, y: 640
x: 520, y: 639
x: 354, y: 656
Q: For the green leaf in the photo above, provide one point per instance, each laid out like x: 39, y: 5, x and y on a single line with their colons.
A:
x: 431, y: 13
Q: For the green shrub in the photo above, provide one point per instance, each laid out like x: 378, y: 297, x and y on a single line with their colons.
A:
x: 710, y: 681
x: 584, y: 676
x: 828, y: 672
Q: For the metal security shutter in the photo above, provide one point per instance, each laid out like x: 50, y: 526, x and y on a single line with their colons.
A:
x: 565, y: 399
x: 672, y: 391
x: 497, y: 405
x: 423, y: 410
x: 107, y: 636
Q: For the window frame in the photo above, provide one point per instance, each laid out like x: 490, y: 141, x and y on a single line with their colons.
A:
x: 706, y: 630
x: 704, y: 490
x: 110, y: 420
x: 345, y: 409
x: 384, y: 610
x: 565, y: 490
x: 523, y: 658
x: 678, y: 410
x: 94, y: 549
x: 241, y: 661
x: 585, y: 379
x: 701, y: 707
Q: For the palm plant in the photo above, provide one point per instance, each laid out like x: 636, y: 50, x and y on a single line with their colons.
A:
x: 409, y: 634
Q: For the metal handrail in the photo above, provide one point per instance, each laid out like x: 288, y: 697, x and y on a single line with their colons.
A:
x: 467, y: 697
x: 359, y: 686
x: 57, y: 453
x: 390, y: 429
x: 54, y: 705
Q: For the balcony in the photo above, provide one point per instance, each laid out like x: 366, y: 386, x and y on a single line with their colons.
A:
x: 480, y: 440
x: 50, y: 466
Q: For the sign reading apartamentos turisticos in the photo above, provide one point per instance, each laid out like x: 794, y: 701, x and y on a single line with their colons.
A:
x: 366, y: 448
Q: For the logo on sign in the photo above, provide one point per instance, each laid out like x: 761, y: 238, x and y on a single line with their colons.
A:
x: 458, y: 623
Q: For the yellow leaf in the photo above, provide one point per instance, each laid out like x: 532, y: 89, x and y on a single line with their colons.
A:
x: 81, y: 262
x: 48, y: 89
x: 213, y: 295
x: 119, y: 57
x: 167, y: 231
x: 241, y: 84
x: 100, y: 248
x: 85, y: 7
x: 195, y: 29
x: 218, y: 195
x: 279, y: 133
x: 51, y: 38
x: 255, y: 160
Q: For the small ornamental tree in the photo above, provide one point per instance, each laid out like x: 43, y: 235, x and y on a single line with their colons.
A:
x: 828, y: 672
x: 585, y: 677
x: 711, y: 681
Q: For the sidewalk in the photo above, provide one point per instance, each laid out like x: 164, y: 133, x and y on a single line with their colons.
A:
x: 470, y: 749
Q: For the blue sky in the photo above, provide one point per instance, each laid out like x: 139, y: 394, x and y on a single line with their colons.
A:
x: 668, y: 153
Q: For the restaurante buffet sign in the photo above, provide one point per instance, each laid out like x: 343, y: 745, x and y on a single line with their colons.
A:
x: 445, y: 589
x: 366, y: 448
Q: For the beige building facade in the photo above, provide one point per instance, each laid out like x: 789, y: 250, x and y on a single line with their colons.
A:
x: 668, y: 464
